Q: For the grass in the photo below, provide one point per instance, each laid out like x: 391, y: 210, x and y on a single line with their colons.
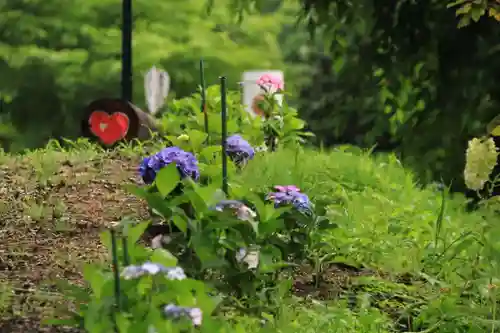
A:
x: 401, y: 262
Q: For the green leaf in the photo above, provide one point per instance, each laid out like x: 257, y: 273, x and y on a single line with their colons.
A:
x: 271, y: 213
x: 138, y: 191
x: 440, y: 218
x: 180, y: 223
x: 271, y: 226
x: 197, y: 197
x: 338, y: 64
x: 255, y: 226
x: 122, y: 322
x: 174, y: 140
x: 464, y: 21
x: 378, y: 72
x: 164, y: 257
x: 197, y: 138
x: 105, y: 238
x: 208, y: 153
x: 294, y: 124
x: 493, y: 125
x: 145, y: 285
x: 306, y: 134
x: 269, y: 260
x: 463, y: 245
x: 96, y: 278
x: 210, y: 195
x: 476, y: 13
x: 61, y: 322
x: 134, y: 233
x: 284, y: 288
x: 455, y: 3
x: 73, y: 291
x: 167, y: 179
x: 204, y: 249
x: 157, y: 202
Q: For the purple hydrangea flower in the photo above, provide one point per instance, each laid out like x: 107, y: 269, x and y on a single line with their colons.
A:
x: 187, y: 164
x: 239, y: 149
x: 290, y: 195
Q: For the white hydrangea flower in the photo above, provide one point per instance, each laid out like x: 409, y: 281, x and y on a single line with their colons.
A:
x: 175, y: 312
x: 481, y: 158
x: 150, y: 268
x: 243, y: 212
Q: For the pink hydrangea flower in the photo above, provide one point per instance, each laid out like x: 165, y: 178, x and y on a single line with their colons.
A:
x: 270, y: 83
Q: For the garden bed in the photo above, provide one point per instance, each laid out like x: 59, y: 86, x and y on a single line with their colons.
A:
x: 54, y: 204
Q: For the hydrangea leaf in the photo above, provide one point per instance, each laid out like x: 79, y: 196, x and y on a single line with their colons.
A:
x: 164, y: 257
x: 167, y: 179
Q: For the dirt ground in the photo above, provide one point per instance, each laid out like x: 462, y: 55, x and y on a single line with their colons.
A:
x: 53, y: 206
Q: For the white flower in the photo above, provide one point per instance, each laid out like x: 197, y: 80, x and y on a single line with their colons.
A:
x: 279, y: 119
x: 174, y: 311
x: 241, y: 254
x: 152, y: 268
x: 245, y: 214
x: 196, y: 316
x: 158, y: 241
x: 251, y: 258
x: 261, y: 149
x: 176, y: 273
x: 481, y: 158
x: 132, y: 272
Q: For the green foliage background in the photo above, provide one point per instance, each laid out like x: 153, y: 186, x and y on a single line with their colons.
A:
x: 55, y: 58
x: 406, y: 77
x: 418, y: 78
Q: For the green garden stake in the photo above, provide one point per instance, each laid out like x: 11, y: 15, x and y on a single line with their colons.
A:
x: 126, y: 257
x: 204, y: 99
x: 114, y: 252
x: 224, y: 132
x: 126, y: 260
x: 241, y: 87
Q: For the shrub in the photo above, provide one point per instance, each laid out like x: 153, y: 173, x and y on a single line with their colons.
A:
x: 184, y: 117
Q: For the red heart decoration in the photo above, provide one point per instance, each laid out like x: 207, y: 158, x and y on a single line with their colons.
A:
x: 109, y: 128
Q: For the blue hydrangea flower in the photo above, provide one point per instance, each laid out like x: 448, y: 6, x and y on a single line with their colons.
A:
x: 150, y: 268
x: 187, y: 164
x: 291, y: 195
x: 239, y: 149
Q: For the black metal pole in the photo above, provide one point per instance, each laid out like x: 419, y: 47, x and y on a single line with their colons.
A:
x: 127, y: 50
x: 224, y: 132
x: 204, y: 99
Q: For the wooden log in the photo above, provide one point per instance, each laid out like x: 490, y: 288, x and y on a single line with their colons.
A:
x: 111, y: 120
